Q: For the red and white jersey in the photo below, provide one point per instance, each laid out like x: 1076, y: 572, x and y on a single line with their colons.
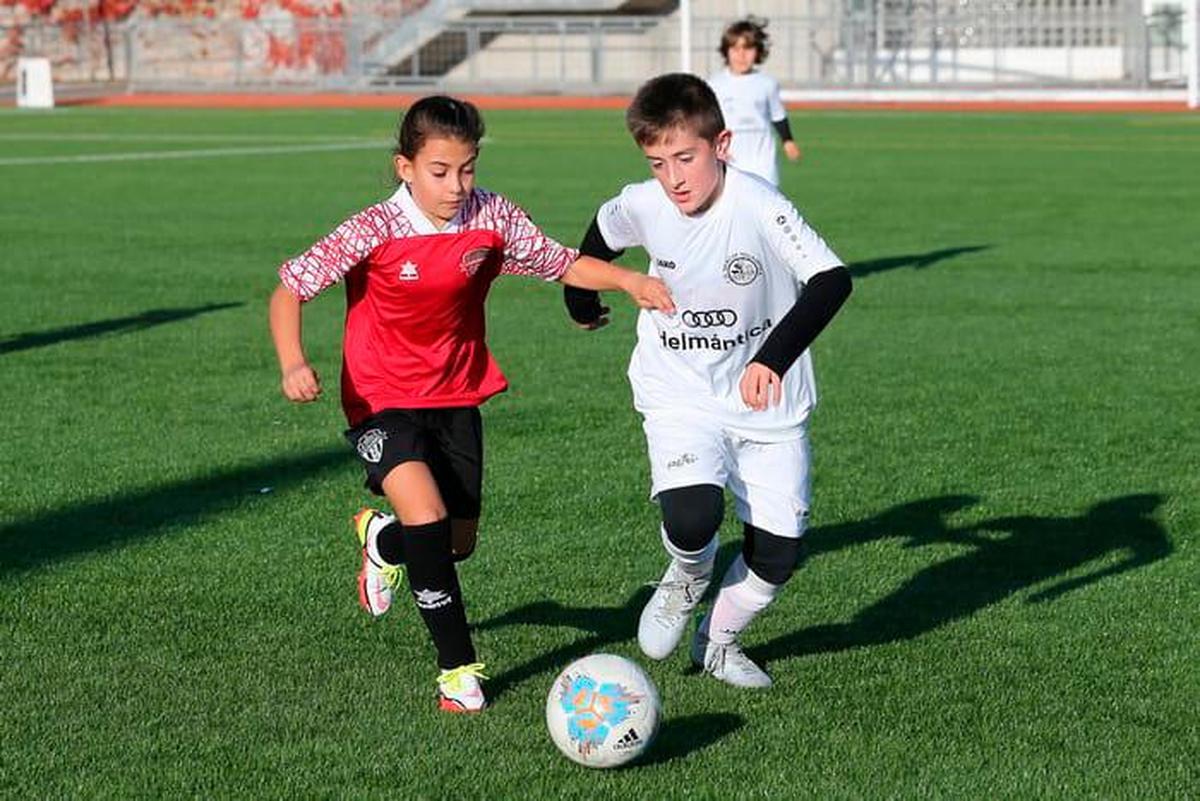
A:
x: 414, y: 295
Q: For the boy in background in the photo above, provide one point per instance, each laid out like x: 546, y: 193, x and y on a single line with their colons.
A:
x: 750, y: 101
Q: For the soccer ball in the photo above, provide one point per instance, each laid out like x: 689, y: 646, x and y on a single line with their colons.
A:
x: 602, y: 711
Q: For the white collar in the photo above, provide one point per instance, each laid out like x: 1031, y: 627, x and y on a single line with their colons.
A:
x: 421, y: 224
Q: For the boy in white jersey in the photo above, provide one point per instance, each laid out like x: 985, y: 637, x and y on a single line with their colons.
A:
x: 725, y: 384
x: 750, y: 101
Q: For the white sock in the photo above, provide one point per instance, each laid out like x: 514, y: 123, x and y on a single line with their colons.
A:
x: 696, y: 564
x: 743, y: 595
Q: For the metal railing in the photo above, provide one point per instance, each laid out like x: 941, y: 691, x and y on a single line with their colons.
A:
x: 887, y: 43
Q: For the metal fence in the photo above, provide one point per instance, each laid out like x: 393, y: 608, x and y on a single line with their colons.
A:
x: 885, y: 43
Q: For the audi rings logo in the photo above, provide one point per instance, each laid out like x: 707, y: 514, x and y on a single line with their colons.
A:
x: 709, y: 318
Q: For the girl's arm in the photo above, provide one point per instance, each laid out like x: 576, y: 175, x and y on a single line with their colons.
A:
x: 647, y: 292
x: 528, y: 251
x: 300, y: 382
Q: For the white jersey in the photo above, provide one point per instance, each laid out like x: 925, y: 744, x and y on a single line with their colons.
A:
x: 734, y: 272
x: 750, y: 103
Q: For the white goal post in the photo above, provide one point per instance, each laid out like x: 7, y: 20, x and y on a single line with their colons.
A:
x: 1192, y: 38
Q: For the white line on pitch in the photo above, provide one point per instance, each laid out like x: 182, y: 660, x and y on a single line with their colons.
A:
x: 34, y: 136
x: 157, y: 155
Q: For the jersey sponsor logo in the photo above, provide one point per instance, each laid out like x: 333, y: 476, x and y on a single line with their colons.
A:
x: 432, y: 599
x: 408, y: 272
x: 714, y: 341
x: 473, y: 259
x: 709, y: 318
x: 742, y: 269
x: 370, y: 445
x: 664, y: 264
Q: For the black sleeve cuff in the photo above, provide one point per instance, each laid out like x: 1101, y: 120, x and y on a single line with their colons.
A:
x: 816, y: 306
x: 594, y: 245
x: 584, y: 305
x: 784, y: 129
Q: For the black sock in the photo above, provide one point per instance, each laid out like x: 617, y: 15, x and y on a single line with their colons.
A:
x: 434, y: 584
x: 390, y: 542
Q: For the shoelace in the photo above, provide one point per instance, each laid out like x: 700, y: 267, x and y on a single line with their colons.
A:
x: 678, y: 600
x: 715, y: 663
x: 722, y: 655
x: 390, y: 573
x: 452, y: 677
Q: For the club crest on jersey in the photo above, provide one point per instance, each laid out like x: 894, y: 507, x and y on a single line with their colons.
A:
x: 370, y: 445
x: 742, y: 269
x: 408, y: 272
x: 473, y: 259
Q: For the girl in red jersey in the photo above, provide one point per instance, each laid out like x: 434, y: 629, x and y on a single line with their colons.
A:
x: 415, y: 366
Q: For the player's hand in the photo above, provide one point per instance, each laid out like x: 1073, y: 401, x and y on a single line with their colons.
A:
x: 301, y: 384
x: 760, y: 387
x: 585, y: 308
x: 650, y: 293
x: 791, y: 150
x: 598, y: 322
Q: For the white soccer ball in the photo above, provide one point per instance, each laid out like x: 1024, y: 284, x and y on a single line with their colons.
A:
x: 602, y: 711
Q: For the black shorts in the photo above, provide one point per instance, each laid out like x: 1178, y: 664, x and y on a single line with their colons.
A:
x: 450, y: 441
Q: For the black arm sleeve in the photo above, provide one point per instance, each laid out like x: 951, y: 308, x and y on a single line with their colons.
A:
x: 815, y: 307
x: 783, y: 128
x: 584, y: 304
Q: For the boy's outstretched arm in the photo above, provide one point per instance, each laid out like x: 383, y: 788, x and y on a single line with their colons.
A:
x: 300, y: 382
x: 584, y: 305
x: 762, y: 382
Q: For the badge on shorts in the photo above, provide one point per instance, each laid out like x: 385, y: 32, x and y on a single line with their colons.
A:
x: 741, y: 269
x: 370, y: 445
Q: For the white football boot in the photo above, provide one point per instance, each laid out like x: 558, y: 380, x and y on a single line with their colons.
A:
x: 459, y: 689
x: 667, y: 612
x: 376, y: 582
x: 728, y: 663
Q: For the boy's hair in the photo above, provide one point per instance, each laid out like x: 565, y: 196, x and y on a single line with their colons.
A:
x: 437, y: 115
x: 752, y: 28
x: 675, y: 101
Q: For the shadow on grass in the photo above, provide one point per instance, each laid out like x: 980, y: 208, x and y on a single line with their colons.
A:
x: 681, y: 737
x: 917, y: 261
x: 606, y: 624
x: 101, y: 524
x: 119, y: 325
x: 1007, y: 555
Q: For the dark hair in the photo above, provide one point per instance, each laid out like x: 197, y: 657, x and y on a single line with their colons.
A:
x: 752, y: 28
x: 674, y: 101
x: 437, y: 115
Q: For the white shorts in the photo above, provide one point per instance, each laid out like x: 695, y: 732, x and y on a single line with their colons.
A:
x: 769, y: 480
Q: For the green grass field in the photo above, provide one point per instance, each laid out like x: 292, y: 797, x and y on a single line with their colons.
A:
x: 1000, y: 599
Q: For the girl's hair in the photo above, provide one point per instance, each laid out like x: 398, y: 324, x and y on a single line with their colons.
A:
x: 675, y: 101
x: 437, y: 115
x: 752, y: 28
